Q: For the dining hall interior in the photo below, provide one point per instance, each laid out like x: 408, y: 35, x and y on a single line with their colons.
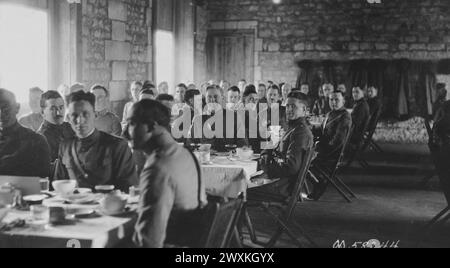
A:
x: 224, y: 123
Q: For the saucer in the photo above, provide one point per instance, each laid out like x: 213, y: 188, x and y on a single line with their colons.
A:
x: 123, y: 213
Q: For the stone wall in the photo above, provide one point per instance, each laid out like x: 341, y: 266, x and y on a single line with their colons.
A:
x: 336, y: 29
x: 116, y: 45
x: 200, y: 49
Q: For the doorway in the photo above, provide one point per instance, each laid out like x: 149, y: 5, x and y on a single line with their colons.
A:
x: 230, y: 55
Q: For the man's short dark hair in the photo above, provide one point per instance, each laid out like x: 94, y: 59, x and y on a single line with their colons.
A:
x: 151, y: 111
x: 250, y: 89
x: 299, y: 96
x: 147, y: 91
x: 82, y: 96
x: 7, y: 96
x: 262, y: 85
x: 182, y: 85
x: 165, y: 97
x: 234, y: 89
x: 338, y: 92
x: 276, y: 88
x: 49, y: 95
x: 191, y: 93
x: 148, y: 85
x: 95, y: 87
x: 212, y: 87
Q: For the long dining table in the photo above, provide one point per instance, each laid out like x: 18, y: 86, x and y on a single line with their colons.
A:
x: 224, y: 176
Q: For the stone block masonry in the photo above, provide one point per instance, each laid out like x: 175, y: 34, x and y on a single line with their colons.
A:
x: 337, y: 29
x: 117, y: 44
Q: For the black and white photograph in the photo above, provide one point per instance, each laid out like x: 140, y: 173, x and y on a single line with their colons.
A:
x: 228, y: 125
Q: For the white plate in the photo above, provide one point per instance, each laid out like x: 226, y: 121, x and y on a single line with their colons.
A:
x: 80, y: 212
x: 35, y: 198
x: 80, y: 198
x: 117, y: 214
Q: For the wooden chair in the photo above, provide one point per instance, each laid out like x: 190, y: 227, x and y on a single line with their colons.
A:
x: 331, y: 175
x: 424, y: 182
x: 220, y: 221
x: 285, y: 218
x: 444, y: 215
x: 368, y: 142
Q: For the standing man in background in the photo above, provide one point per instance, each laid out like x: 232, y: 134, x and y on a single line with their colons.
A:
x: 34, y: 119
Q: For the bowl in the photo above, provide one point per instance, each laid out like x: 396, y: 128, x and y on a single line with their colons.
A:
x: 244, y: 154
x: 104, y: 189
x: 33, y: 200
x: 83, y: 191
x: 113, y: 204
x: 3, y: 212
x: 64, y: 188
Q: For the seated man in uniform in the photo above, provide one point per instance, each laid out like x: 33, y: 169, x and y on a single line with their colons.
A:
x: 375, y: 107
x: 171, y: 184
x: 206, y: 129
x: 296, y: 141
x: 93, y: 157
x: 54, y: 128
x: 332, y: 136
x: 105, y: 120
x: 360, y: 119
x: 22, y: 151
x: 34, y: 119
x: 441, y: 148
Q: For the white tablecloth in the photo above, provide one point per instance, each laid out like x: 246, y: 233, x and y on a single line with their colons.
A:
x: 227, y: 178
x: 94, y: 232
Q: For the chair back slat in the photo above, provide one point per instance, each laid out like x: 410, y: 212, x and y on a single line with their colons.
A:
x: 221, y: 220
x: 301, y: 178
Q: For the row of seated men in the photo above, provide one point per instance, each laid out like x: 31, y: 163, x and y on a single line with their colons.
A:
x: 94, y: 157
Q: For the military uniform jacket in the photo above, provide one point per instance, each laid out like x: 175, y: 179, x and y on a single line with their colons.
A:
x: 23, y: 153
x: 100, y: 159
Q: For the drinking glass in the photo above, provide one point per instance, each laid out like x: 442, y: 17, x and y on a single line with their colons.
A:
x: 45, y: 185
x: 40, y: 216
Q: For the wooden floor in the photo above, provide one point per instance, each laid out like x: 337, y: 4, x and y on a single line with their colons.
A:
x: 392, y: 207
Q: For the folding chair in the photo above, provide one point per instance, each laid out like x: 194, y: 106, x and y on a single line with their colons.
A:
x: 368, y: 142
x: 331, y: 175
x: 285, y: 218
x: 424, y: 182
x: 444, y: 215
x: 221, y: 220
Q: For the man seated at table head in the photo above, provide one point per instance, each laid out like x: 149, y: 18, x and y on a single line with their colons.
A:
x: 54, y: 129
x: 171, y: 185
x: 22, y: 151
x: 297, y: 139
x: 34, y: 119
x: 218, y: 126
x: 375, y: 107
x: 105, y: 120
x: 94, y: 157
x: 332, y: 137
